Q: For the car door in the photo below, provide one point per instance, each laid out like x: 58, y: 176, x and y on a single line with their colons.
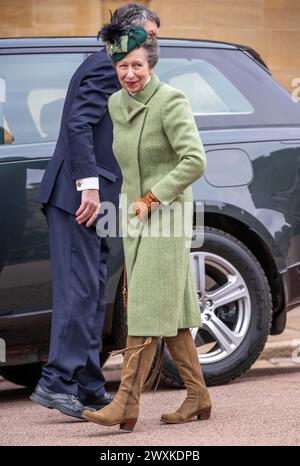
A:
x: 32, y: 90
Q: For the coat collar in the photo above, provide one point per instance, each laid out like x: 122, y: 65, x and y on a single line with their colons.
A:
x: 134, y: 104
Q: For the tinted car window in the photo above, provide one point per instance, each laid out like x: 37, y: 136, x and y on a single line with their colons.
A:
x: 209, y: 91
x: 32, y: 92
x: 226, y: 88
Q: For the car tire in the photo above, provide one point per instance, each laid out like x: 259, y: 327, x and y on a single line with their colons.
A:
x: 119, y: 325
x: 236, y: 257
x: 26, y: 375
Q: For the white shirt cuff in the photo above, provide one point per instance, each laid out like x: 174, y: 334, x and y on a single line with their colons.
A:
x: 87, y: 183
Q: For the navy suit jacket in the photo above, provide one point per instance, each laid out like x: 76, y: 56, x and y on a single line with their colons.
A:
x: 84, y: 145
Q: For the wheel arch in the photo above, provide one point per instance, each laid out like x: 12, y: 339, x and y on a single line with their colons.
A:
x: 260, y: 250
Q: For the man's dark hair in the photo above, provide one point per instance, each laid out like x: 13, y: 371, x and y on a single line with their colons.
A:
x: 133, y: 14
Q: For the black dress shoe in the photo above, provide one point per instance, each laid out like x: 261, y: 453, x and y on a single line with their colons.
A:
x: 65, y: 403
x: 100, y: 402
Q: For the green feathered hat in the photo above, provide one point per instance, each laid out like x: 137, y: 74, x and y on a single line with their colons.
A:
x: 122, y: 40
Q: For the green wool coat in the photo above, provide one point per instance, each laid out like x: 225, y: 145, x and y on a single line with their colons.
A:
x: 157, y: 145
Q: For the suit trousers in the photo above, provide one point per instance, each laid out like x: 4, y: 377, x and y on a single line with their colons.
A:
x: 79, y: 270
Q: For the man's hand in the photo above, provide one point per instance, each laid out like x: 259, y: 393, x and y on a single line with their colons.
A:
x: 89, y: 207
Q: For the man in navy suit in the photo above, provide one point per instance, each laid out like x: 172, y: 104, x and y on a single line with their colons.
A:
x: 82, y: 173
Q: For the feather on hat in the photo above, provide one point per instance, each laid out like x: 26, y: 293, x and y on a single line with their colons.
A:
x: 120, y: 40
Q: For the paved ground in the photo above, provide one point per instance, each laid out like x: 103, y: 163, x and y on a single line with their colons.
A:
x: 261, y: 408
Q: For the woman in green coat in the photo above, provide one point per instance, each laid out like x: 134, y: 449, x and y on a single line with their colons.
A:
x: 157, y: 145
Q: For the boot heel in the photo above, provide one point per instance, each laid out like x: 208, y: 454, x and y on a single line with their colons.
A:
x: 128, y: 425
x: 204, y: 414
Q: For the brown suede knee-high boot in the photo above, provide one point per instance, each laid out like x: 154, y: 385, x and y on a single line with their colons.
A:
x: 124, y: 409
x: 197, y: 402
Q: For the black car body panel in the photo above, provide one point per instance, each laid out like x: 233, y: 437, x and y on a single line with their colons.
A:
x: 251, y: 187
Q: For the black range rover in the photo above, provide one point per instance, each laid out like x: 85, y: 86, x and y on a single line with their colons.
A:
x: 247, y: 271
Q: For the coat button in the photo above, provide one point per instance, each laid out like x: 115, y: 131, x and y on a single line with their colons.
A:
x: 129, y: 108
x: 78, y: 184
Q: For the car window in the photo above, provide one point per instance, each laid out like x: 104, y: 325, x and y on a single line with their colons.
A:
x: 210, y: 92
x: 32, y: 92
x: 226, y: 88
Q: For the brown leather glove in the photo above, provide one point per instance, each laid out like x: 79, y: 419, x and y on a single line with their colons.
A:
x: 145, y: 204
